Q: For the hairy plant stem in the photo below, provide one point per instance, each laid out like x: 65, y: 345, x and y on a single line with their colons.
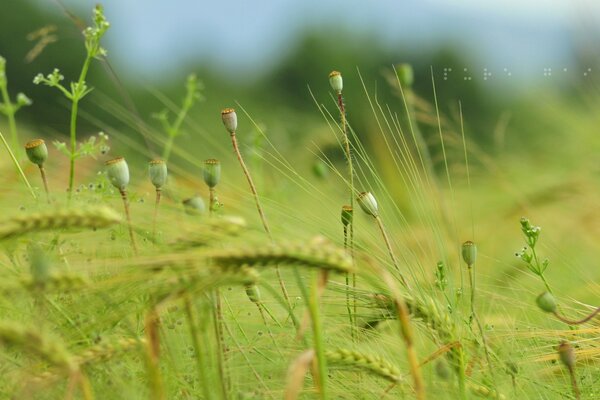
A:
x: 157, y: 391
x: 388, y: 244
x: 315, y: 316
x: 577, y: 322
x: 128, y: 216
x: 211, y: 201
x: 200, y: 359
x: 43, y: 173
x: 574, y: 382
x: 156, y: 204
x: 221, y: 349
x: 480, y: 327
x: 348, y: 306
x: 261, y: 213
x: 17, y: 165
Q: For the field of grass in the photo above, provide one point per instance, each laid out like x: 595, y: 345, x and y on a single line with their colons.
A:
x: 225, y: 267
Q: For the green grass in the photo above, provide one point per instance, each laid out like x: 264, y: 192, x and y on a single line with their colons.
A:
x: 84, y: 317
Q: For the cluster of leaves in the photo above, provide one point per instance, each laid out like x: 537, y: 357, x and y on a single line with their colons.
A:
x: 6, y: 106
x: 528, y: 253
x: 91, y: 147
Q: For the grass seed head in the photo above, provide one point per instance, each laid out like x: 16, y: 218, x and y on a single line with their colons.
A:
x: 194, y: 205
x: 546, y: 302
x: 347, y: 215
x: 406, y: 75
x: 37, y: 152
x: 212, y: 172
x: 157, y: 170
x: 253, y: 293
x: 336, y: 81
x: 118, y: 172
x: 566, y: 354
x: 469, y: 252
x: 367, y: 202
x: 229, y: 118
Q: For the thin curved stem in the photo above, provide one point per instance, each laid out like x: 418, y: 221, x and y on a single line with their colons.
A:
x: 156, y: 204
x: 128, y: 216
x: 577, y: 322
x: 388, y: 244
x: 43, y: 173
x: 17, y: 165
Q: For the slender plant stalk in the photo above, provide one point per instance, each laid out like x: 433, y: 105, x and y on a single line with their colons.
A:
x: 10, y: 115
x: 16, y: 164
x: 577, y: 322
x: 574, y: 382
x: 156, y: 204
x: 315, y: 316
x: 45, y: 180
x: 348, y: 306
x: 211, y: 201
x: 222, y: 351
x: 200, y: 359
x: 390, y: 250
x: 157, y: 391
x: 261, y: 213
x: 128, y: 216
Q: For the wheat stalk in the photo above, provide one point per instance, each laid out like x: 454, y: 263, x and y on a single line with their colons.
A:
x: 374, y: 364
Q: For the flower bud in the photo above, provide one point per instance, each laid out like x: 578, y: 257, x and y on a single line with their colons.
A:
x: 212, y: 172
x: 406, y: 75
x: 469, y: 252
x: 368, y: 203
x: 229, y: 118
x: 253, y: 293
x: 118, y: 172
x: 546, y: 302
x: 347, y: 215
x: 566, y: 354
x: 37, y: 152
x: 336, y: 81
x: 194, y: 205
x: 157, y: 170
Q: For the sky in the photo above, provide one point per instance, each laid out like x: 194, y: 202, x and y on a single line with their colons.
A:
x: 520, y: 38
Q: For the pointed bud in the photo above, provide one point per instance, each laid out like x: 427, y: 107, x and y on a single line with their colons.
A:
x: 336, y: 81
x: 368, y: 203
x: 229, y: 118
x: 194, y: 205
x: 37, y: 152
x: 546, y: 302
x: 566, y: 354
x: 212, y: 172
x: 406, y: 75
x: 118, y: 172
x: 347, y: 215
x: 253, y: 293
x: 157, y: 170
x: 469, y: 252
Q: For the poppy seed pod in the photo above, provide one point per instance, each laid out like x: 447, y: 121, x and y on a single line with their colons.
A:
x: 546, y: 302
x: 347, y: 215
x: 229, y: 118
x: 406, y: 75
x: 194, y: 205
x: 336, y: 81
x: 566, y: 354
x: 157, y: 170
x: 212, y: 172
x: 253, y: 293
x: 37, y: 152
x: 368, y: 203
x: 118, y: 172
x: 469, y: 252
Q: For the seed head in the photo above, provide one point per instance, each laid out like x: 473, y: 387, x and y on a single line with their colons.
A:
x: 336, y: 81
x: 253, y: 293
x: 406, y: 75
x: 469, y: 252
x: 212, y: 172
x: 157, y: 170
x: 37, y: 152
x: 194, y: 205
x: 368, y: 203
x: 347, y: 215
x: 566, y: 354
x: 546, y: 302
x: 229, y: 118
x: 118, y: 172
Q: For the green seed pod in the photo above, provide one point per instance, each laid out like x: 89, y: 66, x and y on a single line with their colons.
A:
x: 39, y: 264
x: 406, y: 75
x: 37, y: 152
x: 469, y: 252
x: 566, y: 354
x: 368, y: 203
x: 194, y: 205
x: 546, y: 302
x: 442, y: 370
x: 118, y: 172
x: 253, y: 293
x: 157, y: 170
x: 229, y: 118
x: 320, y: 169
x: 336, y: 81
x: 347, y: 215
x: 212, y: 172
